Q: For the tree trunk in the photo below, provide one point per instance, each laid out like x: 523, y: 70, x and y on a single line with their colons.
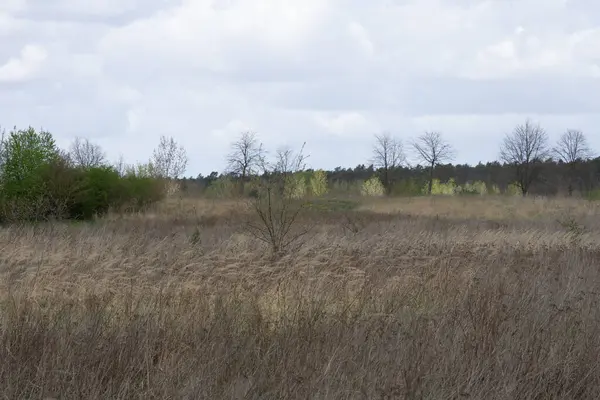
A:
x: 431, y: 178
x: 386, y: 181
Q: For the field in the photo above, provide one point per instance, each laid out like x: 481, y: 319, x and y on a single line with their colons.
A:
x: 423, y: 298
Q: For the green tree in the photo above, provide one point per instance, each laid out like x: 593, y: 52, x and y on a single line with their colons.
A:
x: 24, y: 154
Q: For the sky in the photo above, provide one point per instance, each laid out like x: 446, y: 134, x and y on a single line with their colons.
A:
x: 331, y: 73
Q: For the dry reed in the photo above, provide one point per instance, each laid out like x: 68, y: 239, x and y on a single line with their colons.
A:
x: 421, y: 299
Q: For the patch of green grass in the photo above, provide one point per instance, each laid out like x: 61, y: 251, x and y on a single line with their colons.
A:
x: 593, y: 195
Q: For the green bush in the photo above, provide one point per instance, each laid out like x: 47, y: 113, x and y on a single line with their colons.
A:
x: 449, y: 188
x: 513, y: 190
x: 98, y: 191
x: 493, y: 189
x: 475, y: 188
x: 593, y: 195
x: 295, y: 186
x: 137, y: 193
x: 84, y: 193
x: 318, y: 183
x: 407, y: 187
x: 62, y: 184
x: 373, y: 187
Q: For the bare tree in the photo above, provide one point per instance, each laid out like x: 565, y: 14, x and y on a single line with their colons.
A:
x: 571, y: 148
x: 276, y: 208
x: 286, y: 162
x: 86, y: 154
x: 169, y: 160
x: 247, y: 155
x: 2, y: 153
x: 525, y: 149
x: 120, y: 165
x: 388, y: 153
x: 432, y: 150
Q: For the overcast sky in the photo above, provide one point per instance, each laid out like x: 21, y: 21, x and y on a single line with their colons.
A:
x: 329, y: 72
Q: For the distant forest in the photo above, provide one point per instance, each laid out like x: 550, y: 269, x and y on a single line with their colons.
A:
x: 555, y: 177
x: 528, y: 165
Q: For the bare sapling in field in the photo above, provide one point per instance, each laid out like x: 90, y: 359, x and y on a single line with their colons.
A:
x: 277, y: 203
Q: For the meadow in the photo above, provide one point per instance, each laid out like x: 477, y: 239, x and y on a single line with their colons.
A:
x: 473, y: 297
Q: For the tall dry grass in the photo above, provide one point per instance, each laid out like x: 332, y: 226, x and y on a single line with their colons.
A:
x: 381, y: 302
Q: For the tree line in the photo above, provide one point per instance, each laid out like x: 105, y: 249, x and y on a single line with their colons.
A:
x: 528, y: 163
x: 38, y: 180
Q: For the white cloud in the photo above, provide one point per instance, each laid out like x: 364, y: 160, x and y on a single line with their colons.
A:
x: 25, y: 66
x: 329, y: 72
x: 345, y: 124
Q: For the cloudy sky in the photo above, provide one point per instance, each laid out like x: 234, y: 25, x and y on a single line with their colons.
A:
x: 329, y: 72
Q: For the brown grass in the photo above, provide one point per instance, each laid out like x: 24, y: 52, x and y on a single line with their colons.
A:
x: 417, y: 299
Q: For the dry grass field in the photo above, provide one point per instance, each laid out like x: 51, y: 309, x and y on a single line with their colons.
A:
x: 444, y: 298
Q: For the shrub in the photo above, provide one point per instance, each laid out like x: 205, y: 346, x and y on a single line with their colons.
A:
x: 295, y: 186
x: 513, y: 190
x: 318, y: 183
x: 475, y: 188
x: 373, y: 187
x: 493, y: 189
x: 138, y: 192
x: 438, y: 188
x: 407, y: 187
x: 62, y: 184
x: 83, y: 193
x: 98, y: 192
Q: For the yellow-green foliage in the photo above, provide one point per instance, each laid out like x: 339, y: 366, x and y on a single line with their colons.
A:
x: 140, y: 170
x: 450, y: 188
x: 475, y: 188
x: 494, y: 189
x: 373, y: 187
x: 295, y: 187
x: 439, y: 188
x: 513, y: 190
x: 318, y: 183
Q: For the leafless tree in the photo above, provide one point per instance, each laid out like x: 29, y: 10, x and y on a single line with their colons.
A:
x: 277, y: 212
x: 169, y: 160
x: 2, y: 143
x: 86, y: 154
x: 571, y: 148
x: 247, y: 155
x: 432, y: 149
x: 388, y: 153
x: 525, y: 149
x: 286, y: 162
x: 120, y: 165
